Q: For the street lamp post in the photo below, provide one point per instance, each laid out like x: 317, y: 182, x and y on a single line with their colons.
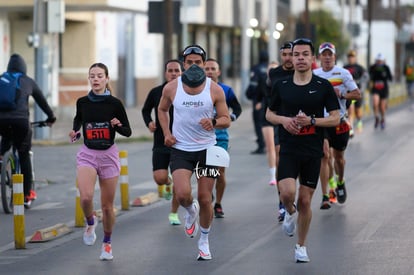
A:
x: 41, y: 74
x: 272, y: 43
x: 245, y: 48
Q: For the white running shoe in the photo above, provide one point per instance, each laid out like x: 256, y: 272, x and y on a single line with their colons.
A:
x: 106, y: 252
x: 89, y: 235
x: 301, y: 256
x: 191, y: 224
x: 289, y: 224
x: 203, y: 251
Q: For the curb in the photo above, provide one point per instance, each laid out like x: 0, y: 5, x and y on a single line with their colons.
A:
x: 50, y: 233
x: 146, y: 199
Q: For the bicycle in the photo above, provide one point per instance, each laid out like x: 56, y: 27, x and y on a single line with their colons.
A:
x: 10, y: 165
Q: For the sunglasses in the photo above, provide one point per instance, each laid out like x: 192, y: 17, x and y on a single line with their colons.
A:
x: 287, y: 45
x: 327, y: 45
x: 194, y: 50
x: 304, y: 41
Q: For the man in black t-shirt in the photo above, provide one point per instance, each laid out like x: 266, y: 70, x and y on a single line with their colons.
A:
x: 360, y: 76
x: 285, y: 70
x: 298, y: 104
x: 380, y: 75
x: 258, y: 75
x: 160, y: 152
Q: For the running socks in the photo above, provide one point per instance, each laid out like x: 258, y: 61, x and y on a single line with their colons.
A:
x: 204, y: 234
x: 272, y: 173
x: 90, y: 220
x: 107, y: 237
x: 332, y: 183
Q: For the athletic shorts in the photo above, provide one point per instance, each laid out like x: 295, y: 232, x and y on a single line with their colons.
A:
x: 193, y: 161
x: 307, y: 168
x: 383, y: 94
x: 105, y: 162
x: 223, y: 144
x: 337, y: 141
x: 358, y: 102
x: 160, y: 160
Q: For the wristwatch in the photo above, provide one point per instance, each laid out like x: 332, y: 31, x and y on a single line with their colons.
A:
x: 312, y: 120
x: 214, y: 121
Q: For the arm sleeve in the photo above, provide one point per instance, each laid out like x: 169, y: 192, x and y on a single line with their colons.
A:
x: 234, y: 104
x: 147, y: 108
x: 77, y: 120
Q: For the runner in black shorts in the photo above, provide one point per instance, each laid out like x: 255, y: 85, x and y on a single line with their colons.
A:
x: 199, y: 107
x: 267, y: 128
x: 160, y: 152
x: 286, y: 69
x: 346, y: 89
x: 360, y: 75
x: 379, y: 74
x: 297, y: 105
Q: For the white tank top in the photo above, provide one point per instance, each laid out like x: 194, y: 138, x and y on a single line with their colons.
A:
x: 188, y: 111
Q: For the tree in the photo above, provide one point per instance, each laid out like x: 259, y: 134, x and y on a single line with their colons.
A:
x: 328, y: 29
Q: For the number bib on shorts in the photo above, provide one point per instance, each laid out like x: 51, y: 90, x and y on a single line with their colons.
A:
x: 98, y: 135
x: 342, y: 128
x: 307, y: 130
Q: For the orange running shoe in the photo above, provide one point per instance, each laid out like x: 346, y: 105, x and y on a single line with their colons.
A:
x: 332, y: 196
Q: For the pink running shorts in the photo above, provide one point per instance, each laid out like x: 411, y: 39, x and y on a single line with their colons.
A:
x: 105, y: 162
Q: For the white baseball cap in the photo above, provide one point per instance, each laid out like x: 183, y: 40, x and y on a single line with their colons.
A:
x: 380, y: 56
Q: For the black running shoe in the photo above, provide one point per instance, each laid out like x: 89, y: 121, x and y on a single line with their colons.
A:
x: 341, y: 193
x: 282, y: 212
x: 218, y: 211
x: 325, y: 203
x: 377, y: 121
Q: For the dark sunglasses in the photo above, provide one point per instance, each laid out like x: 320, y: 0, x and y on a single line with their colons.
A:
x: 287, y: 45
x: 194, y: 50
x: 304, y: 41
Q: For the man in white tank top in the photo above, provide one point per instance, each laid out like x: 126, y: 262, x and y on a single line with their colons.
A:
x: 194, y: 97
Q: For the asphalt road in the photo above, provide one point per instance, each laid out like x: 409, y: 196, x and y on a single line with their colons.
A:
x: 369, y: 234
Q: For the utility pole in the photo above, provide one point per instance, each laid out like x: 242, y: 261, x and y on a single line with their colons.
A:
x: 272, y: 43
x: 369, y: 18
x: 307, y: 21
x: 245, y: 47
x: 169, y: 29
x: 41, y: 65
x: 399, y: 46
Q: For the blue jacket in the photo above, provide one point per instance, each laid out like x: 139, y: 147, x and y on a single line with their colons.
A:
x: 233, y: 103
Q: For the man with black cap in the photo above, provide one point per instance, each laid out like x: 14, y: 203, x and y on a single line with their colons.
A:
x: 194, y: 97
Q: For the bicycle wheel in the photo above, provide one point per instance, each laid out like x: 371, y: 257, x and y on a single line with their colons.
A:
x: 6, y: 182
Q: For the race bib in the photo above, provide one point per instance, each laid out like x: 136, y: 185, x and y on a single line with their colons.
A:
x: 342, y: 128
x: 379, y: 85
x: 307, y: 130
x: 98, y: 135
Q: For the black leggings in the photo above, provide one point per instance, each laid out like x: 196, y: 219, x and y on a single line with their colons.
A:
x: 18, y: 133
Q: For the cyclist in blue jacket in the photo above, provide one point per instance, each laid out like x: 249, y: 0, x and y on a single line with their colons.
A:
x: 15, y: 126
